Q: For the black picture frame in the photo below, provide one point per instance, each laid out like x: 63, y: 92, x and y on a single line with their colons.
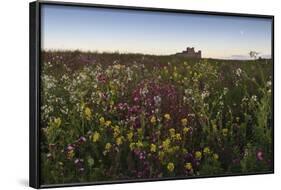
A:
x: 34, y: 99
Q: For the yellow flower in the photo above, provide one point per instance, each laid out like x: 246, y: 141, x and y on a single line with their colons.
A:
x: 188, y: 166
x: 172, y: 131
x: 175, y: 74
x: 161, y: 155
x: 57, y: 122
x: 96, y: 137
x: 224, y: 132
x: 70, y: 154
x: 117, y: 66
x: 167, y: 116
x: 132, y: 146
x: 216, y: 156
x: 153, y: 120
x: 186, y: 130
x: 170, y: 167
x: 119, y: 141
x: 116, y: 131
x: 198, y: 155
x: 178, y: 137
x: 130, y: 136
x: 107, y: 123
x: 166, y: 144
x: 102, y: 121
x: 206, y: 150
x: 184, y: 122
x: 139, y: 144
x: 152, y: 148
x: 107, y: 146
x: 184, y: 151
x: 88, y: 113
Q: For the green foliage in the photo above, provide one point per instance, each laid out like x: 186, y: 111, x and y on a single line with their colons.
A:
x: 127, y: 116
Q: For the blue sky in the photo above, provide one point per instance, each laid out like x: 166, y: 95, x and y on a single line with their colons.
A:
x: 97, y: 29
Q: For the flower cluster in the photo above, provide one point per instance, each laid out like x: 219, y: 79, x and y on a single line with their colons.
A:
x: 152, y: 117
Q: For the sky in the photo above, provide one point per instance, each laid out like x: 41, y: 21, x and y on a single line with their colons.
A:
x: 160, y: 33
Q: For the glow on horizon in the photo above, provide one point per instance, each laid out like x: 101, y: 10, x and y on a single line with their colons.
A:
x: 128, y: 31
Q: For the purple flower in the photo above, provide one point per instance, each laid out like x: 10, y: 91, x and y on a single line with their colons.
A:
x: 69, y: 147
x: 79, y: 164
x: 259, y: 155
x: 142, y: 155
x: 81, y: 140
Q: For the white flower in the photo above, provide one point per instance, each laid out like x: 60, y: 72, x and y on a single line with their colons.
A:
x: 254, y: 98
x: 238, y: 72
x: 225, y: 90
x: 205, y: 94
x: 157, y: 100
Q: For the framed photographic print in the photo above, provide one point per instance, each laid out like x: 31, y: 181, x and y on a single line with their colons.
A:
x: 130, y: 94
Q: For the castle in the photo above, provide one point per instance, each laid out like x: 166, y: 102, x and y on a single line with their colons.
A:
x: 190, y: 53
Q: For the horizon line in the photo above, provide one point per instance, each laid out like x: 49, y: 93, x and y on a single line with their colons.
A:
x: 246, y: 57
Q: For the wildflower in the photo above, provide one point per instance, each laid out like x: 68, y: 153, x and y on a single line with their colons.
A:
x: 57, y: 122
x: 188, y: 166
x: 117, y: 66
x: 153, y: 120
x: 184, y: 122
x: 186, y: 130
x: 88, y: 113
x: 224, y: 132
x: 96, y: 137
x: 166, y: 144
x: 172, y: 132
x: 225, y: 90
x: 170, y: 167
x: 70, y: 154
x: 206, y: 150
x: 139, y: 144
x: 49, y: 156
x: 167, y: 116
x: 254, y: 98
x: 132, y: 146
x: 102, y: 121
x: 81, y: 140
x: 107, y: 123
x: 259, y: 155
x: 184, y: 151
x: 130, y: 136
x: 178, y: 137
x: 69, y: 147
x: 91, y: 161
x: 238, y: 72
x: 157, y: 100
x: 116, y: 131
x: 152, y: 148
x: 142, y: 155
x: 198, y: 155
x: 205, y: 94
x: 107, y: 146
x: 161, y: 155
x: 119, y: 141
x: 216, y: 156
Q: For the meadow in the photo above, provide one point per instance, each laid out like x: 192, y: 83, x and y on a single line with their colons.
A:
x: 112, y: 116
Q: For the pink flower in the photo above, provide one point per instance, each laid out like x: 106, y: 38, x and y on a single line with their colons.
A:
x: 259, y: 155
